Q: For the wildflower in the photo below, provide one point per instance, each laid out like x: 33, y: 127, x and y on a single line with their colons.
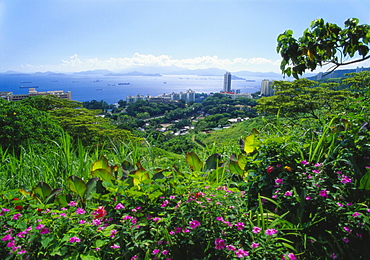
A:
x: 112, y: 233
x: 63, y: 214
x: 171, y: 232
x: 271, y: 231
x: 324, y: 193
x: 256, y: 230
x: 220, y: 243
x: 155, y: 251
x: 16, y: 216
x: 82, y: 222
x: 134, y: 257
x: 254, y: 245
x: 100, y: 212
x: 115, y: 246
x: 279, y: 181
x: 44, y: 231
x: 356, y: 214
x: 194, y: 224
x: 289, y: 169
x: 230, y: 248
x: 80, y: 211
x: 186, y: 230
x: 269, y: 169
x: 346, y: 240
x: 127, y: 217
x: 156, y: 219
x: 219, y: 219
x: 119, y: 206
x: 345, y: 179
x: 96, y: 222
x: 165, y: 203
x: 359, y: 235
x: 288, y: 193
x: 316, y: 171
x: 74, y: 240
x: 22, y: 252
x: 240, y: 225
x: 340, y: 204
x: 97, y: 248
x: 241, y: 253
x: 308, y: 197
x: 304, y: 162
x: 165, y: 252
x: 334, y: 256
x: 347, y: 229
x: 172, y: 197
x: 40, y: 226
x: 178, y: 229
x: 318, y: 165
x: 290, y: 256
x: 7, y: 237
x: 72, y: 204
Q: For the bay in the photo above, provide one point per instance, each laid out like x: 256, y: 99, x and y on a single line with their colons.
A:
x: 107, y: 88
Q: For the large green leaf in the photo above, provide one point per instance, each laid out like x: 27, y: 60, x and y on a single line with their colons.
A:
x: 43, y: 190
x: 53, y: 194
x: 77, y: 185
x: 194, y: 162
x: 235, y: 168
x: 102, y: 163
x: 212, y: 162
x: 140, y: 175
x: 90, y: 188
x: 365, y: 182
x: 103, y: 174
x: 251, y: 143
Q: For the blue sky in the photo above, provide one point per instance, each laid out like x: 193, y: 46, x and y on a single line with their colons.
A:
x: 76, y: 35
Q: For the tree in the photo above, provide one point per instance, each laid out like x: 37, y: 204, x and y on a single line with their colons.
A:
x: 302, y: 98
x: 49, y: 102
x: 323, y: 44
x: 21, y: 124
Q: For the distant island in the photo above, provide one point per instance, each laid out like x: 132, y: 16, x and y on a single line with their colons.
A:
x: 134, y: 73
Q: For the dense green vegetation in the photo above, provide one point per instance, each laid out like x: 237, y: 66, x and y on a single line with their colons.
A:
x: 292, y: 182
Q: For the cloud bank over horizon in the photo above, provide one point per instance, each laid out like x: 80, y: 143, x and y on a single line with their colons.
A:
x: 74, y: 63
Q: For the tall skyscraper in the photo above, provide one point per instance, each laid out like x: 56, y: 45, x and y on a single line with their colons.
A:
x: 266, y: 89
x: 227, y: 82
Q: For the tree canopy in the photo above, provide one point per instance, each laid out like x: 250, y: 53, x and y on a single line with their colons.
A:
x: 323, y: 44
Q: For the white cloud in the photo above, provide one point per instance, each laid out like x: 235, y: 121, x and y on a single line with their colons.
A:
x: 74, y: 63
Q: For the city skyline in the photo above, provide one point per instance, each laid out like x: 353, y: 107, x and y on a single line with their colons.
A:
x: 233, y: 35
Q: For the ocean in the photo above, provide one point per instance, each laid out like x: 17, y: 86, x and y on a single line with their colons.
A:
x: 107, y: 88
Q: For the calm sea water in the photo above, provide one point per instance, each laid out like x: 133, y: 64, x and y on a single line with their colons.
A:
x: 86, y: 88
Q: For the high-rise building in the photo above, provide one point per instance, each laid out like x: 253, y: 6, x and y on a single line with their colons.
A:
x: 227, y: 82
x: 266, y: 89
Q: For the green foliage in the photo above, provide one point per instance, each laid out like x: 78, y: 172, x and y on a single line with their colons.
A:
x: 22, y: 124
x: 301, y: 98
x: 321, y: 44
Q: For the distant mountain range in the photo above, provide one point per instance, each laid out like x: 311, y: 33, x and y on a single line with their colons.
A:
x: 156, y: 72
x: 337, y: 73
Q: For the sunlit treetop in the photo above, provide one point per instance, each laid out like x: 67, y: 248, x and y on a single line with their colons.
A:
x: 323, y: 44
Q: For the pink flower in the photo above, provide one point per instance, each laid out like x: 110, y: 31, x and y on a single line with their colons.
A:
x: 7, y: 237
x: 74, y: 240
x: 72, y: 204
x: 155, y: 251
x: 119, y: 206
x: 347, y: 229
x: 346, y: 240
x: 241, y: 253
x: 316, y: 171
x: 165, y: 203
x: 16, y: 216
x: 346, y: 179
x: 230, y: 248
x: 219, y: 219
x: 256, y: 230
x: 82, y: 222
x: 334, y: 256
x: 324, y: 193
x: 271, y: 231
x: 115, y: 246
x: 288, y: 193
x: 165, y: 252
x: 279, y: 181
x: 290, y: 256
x: 255, y: 245
x: 240, y: 225
x: 304, y: 162
x: 44, y: 231
x: 220, y: 243
x: 113, y: 233
x: 308, y: 197
x: 318, y: 165
x: 356, y: 214
x: 80, y: 211
x: 186, y: 230
x: 194, y: 224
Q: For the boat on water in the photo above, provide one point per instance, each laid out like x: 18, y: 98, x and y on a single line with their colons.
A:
x: 28, y: 86
x: 124, y: 83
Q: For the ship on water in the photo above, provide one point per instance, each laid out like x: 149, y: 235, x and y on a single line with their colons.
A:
x: 28, y: 86
x: 124, y: 83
